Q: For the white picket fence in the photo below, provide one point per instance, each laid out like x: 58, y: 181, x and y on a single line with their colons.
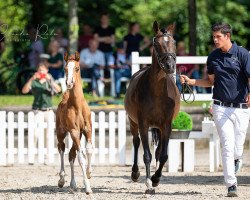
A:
x: 17, y: 141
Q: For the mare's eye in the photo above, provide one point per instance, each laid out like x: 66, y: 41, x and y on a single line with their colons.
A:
x: 77, y: 68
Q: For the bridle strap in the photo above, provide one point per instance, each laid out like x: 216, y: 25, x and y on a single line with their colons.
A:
x: 163, y: 55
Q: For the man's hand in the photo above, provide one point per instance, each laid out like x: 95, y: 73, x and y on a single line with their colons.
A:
x: 248, y: 100
x: 184, y: 78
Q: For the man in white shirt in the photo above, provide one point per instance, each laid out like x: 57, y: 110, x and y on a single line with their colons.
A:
x: 92, y: 61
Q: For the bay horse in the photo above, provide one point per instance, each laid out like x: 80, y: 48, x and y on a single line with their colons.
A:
x: 73, y: 116
x: 153, y: 100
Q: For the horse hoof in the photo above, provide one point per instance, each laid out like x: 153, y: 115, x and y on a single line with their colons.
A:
x: 89, y: 191
x: 135, y: 176
x: 155, y: 180
x: 150, y: 191
x: 88, y: 175
x: 73, y: 186
x: 61, y: 183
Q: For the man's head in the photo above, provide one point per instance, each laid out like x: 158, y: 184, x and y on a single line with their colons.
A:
x: 104, y: 19
x: 221, y: 34
x: 93, y: 45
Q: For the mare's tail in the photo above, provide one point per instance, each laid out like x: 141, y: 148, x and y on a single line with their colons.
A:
x: 155, y: 136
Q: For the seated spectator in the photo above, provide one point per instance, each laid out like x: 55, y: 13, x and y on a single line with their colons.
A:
x: 187, y: 69
x: 55, y: 63
x: 36, y: 47
x: 87, y: 35
x: 121, y: 66
x: 91, y: 62
x: 62, y: 41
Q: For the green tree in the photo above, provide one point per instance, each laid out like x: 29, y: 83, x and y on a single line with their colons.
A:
x: 14, y: 16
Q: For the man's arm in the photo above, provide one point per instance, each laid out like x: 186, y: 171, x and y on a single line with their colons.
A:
x: 198, y: 82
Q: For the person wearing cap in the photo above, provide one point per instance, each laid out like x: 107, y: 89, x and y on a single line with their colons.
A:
x: 228, y: 69
x: 121, y: 66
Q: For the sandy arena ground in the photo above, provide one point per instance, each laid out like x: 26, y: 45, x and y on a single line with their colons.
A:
x: 29, y: 182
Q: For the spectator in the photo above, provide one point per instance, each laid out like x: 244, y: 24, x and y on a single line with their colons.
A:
x: 133, y: 40
x: 87, y: 35
x: 36, y: 47
x: 91, y: 62
x: 105, y: 35
x: 55, y: 63
x: 121, y: 66
x: 188, y: 69
x: 43, y: 87
x: 62, y: 41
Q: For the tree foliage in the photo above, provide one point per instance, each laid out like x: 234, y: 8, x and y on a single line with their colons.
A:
x: 17, y: 14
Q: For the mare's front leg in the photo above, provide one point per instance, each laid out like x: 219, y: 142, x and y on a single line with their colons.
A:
x: 136, y: 143
x: 147, y: 157
x: 163, y: 155
x: 61, y: 148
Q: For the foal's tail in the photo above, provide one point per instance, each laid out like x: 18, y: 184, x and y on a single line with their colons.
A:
x: 155, y: 136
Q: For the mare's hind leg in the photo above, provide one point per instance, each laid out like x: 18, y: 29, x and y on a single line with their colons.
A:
x: 72, y: 156
x: 136, y: 142
x: 163, y: 155
x: 147, y: 157
x: 81, y: 159
x: 61, y: 148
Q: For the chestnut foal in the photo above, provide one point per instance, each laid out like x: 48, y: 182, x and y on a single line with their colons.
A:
x: 73, y: 116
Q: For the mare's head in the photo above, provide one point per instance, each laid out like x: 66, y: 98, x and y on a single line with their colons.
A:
x: 72, y: 69
x: 165, y: 47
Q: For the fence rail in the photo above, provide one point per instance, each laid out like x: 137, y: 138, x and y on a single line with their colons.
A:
x: 18, y: 142
x: 137, y: 60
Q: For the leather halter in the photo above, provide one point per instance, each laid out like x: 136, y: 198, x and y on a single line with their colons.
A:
x: 162, y: 56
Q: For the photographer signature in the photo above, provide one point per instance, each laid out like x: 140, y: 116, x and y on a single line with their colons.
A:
x: 42, y: 32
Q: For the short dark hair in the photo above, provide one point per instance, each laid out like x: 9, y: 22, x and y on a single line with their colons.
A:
x: 222, y: 27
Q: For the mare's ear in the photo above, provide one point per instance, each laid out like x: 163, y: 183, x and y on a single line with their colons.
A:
x: 66, y: 56
x: 77, y: 56
x: 171, y: 29
x: 156, y: 27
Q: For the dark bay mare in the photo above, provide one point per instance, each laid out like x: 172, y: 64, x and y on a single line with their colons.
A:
x: 153, y: 100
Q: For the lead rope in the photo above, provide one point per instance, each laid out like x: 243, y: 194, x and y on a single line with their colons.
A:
x: 186, y: 87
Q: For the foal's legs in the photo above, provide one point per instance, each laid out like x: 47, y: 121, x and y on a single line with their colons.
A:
x: 81, y: 159
x: 136, y: 142
x: 72, y: 156
x: 89, y: 151
x: 61, y: 148
x: 147, y: 157
x: 163, y: 156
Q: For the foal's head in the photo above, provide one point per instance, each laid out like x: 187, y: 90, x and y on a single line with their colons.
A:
x: 72, y: 69
x: 164, y: 47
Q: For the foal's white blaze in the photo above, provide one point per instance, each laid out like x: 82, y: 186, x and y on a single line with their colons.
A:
x: 70, y: 78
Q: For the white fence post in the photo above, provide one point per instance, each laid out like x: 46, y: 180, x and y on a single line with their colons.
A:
x: 21, y: 127
x: 40, y: 135
x: 11, y: 126
x: 3, y: 126
x: 94, y: 126
x: 122, y: 136
x: 101, y: 137
x: 50, y: 136
x: 31, y: 140
x: 112, y: 126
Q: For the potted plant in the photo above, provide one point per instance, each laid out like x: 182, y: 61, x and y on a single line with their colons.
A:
x: 181, y: 126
